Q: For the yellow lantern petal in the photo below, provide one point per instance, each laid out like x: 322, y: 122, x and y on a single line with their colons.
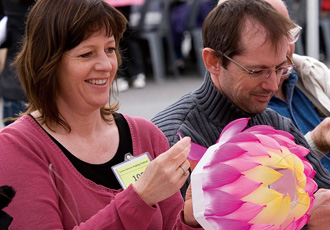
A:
x: 262, y: 196
x: 275, y: 160
x: 269, y: 212
x: 262, y: 174
x: 299, y: 209
x: 293, y: 160
x: 282, y: 213
x: 301, y: 178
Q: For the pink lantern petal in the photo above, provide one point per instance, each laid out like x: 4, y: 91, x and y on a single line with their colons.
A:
x: 311, y: 186
x: 308, y: 168
x: 253, y: 149
x: 261, y: 129
x: 242, y: 163
x: 196, y: 152
x: 282, y: 140
x: 312, y: 198
x: 235, y: 187
x: 219, y: 203
x: 285, y: 134
x: 268, y: 142
x: 233, y: 128
x: 221, y: 224
x: 302, y: 221
x: 299, y: 224
x: 243, y: 137
x: 300, y: 151
x: 211, y: 178
x: 291, y: 226
x: 246, y: 212
x: 226, y: 152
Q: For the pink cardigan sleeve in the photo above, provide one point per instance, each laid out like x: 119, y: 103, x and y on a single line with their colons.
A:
x: 24, y: 165
x: 25, y: 154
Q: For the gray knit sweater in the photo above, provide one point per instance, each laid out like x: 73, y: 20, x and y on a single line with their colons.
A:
x: 204, y: 112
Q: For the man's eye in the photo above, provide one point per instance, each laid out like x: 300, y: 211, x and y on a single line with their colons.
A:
x: 258, y: 72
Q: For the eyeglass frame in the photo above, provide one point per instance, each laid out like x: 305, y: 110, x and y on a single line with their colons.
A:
x: 251, y: 72
x: 295, y: 33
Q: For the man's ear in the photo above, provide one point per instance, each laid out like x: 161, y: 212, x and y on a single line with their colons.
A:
x: 211, y: 61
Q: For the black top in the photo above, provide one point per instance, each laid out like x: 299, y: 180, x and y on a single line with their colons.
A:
x: 102, y: 173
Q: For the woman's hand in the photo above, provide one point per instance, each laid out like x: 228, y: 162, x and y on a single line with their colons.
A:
x: 189, y: 218
x: 165, y: 175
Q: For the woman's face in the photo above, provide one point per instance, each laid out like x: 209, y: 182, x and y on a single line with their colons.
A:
x: 85, y: 74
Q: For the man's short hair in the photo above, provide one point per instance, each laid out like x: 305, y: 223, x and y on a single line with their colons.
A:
x: 222, y: 29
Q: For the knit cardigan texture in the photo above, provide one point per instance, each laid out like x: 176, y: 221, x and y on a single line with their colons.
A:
x: 203, y: 113
x: 52, y: 194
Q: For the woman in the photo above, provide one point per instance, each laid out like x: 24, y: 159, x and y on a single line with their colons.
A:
x: 58, y: 155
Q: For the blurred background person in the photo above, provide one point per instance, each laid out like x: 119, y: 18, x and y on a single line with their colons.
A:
x: 180, y: 13
x: 10, y: 88
x: 131, y: 73
x: 304, y: 96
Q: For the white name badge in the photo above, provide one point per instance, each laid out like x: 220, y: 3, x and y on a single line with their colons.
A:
x: 131, y: 169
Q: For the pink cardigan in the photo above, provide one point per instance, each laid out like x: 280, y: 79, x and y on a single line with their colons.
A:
x: 26, y: 152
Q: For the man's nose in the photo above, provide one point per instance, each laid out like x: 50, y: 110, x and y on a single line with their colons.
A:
x: 272, y: 82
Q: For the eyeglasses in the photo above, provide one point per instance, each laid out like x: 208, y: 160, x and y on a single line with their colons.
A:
x: 264, y: 73
x: 295, y: 33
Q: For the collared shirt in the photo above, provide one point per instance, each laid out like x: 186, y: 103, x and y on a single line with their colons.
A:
x: 298, y: 107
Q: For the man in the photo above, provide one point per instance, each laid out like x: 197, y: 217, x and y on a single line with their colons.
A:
x: 304, y: 97
x: 245, y: 54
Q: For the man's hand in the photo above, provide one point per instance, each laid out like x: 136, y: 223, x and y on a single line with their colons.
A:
x: 189, y: 218
x: 319, y: 214
x: 321, y: 135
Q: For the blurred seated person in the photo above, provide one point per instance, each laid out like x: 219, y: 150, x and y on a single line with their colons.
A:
x: 59, y: 154
x: 304, y: 97
x: 11, y: 91
x: 180, y: 11
x: 131, y: 73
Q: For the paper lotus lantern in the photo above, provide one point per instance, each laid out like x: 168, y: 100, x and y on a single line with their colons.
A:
x: 252, y: 179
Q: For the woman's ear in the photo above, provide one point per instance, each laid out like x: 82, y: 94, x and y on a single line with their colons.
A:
x: 212, y: 62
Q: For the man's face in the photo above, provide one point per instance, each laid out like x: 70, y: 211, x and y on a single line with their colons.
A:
x: 253, y: 95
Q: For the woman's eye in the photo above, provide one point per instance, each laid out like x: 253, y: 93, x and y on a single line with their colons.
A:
x: 86, y: 55
x: 111, y: 50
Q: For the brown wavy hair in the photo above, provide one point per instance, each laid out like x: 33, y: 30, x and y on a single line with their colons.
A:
x: 52, y: 28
